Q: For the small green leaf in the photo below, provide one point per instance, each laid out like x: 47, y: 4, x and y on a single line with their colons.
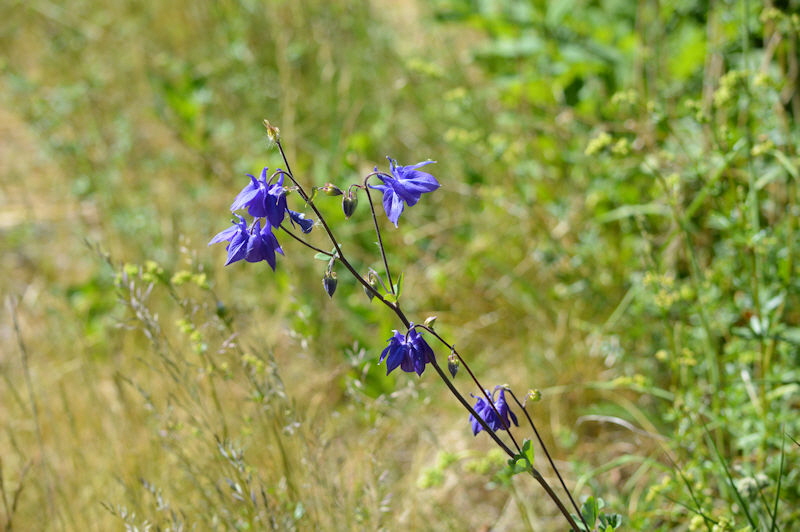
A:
x: 528, y: 451
x: 522, y: 462
x: 611, y: 521
x: 589, y: 511
x: 398, y: 287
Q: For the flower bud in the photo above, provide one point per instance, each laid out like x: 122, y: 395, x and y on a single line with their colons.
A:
x: 453, y: 363
x: 273, y: 132
x: 372, y: 279
x: 429, y: 321
x: 331, y: 190
x: 349, y: 204
x: 329, y: 282
x: 533, y: 396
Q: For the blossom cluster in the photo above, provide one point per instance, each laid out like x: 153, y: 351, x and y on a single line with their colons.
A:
x: 265, y: 201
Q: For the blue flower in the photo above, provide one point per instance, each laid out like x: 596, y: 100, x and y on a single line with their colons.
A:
x: 305, y: 224
x: 237, y: 237
x: 263, y: 245
x: 484, y: 409
x: 411, y: 352
x: 262, y: 199
x: 255, y: 246
x: 404, y: 187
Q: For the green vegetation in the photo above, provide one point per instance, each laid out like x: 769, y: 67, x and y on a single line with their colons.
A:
x: 616, y: 228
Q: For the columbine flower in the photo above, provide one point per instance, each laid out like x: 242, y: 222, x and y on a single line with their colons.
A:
x: 488, y: 414
x: 405, y: 187
x: 411, y: 352
x: 237, y: 237
x: 262, y: 199
x: 262, y: 245
x: 255, y: 246
x: 305, y: 224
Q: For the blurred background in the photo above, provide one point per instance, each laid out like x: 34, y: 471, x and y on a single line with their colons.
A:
x: 615, y: 227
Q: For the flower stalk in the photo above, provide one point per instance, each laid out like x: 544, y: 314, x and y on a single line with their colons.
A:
x: 407, y: 350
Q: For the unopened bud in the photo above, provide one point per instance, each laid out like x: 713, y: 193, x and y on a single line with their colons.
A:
x: 429, y: 321
x: 273, y: 132
x: 349, y: 204
x: 329, y: 282
x: 372, y: 279
x: 453, y: 363
x: 331, y: 190
x: 533, y: 396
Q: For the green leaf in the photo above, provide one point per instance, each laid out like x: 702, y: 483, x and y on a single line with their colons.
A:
x: 398, y: 287
x: 589, y: 511
x: 610, y: 521
x: 521, y: 463
x: 528, y: 451
x: 325, y: 257
x: 787, y: 164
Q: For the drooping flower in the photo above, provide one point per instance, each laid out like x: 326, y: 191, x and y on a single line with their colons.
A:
x: 305, y: 224
x: 404, y: 187
x: 237, y: 237
x: 263, y: 199
x: 252, y: 246
x: 411, y: 352
x: 263, y: 245
x: 484, y: 409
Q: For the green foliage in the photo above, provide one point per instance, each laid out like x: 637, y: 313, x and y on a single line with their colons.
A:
x: 591, y: 511
x: 521, y: 463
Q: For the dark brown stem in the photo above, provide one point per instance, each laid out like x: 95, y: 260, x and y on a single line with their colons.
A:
x: 378, y: 233
x: 463, y: 362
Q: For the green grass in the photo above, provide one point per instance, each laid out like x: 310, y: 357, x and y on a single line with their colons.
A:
x: 616, y: 227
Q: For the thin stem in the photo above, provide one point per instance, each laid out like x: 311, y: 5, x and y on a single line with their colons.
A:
x: 340, y: 256
x: 549, y: 458
x: 469, y: 408
x: 452, y: 349
x: 540, y: 479
x: 308, y: 245
x: 378, y: 233
x: 396, y: 309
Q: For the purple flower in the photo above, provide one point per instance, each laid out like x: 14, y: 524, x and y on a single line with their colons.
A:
x: 262, y: 245
x: 405, y: 187
x: 411, y: 352
x: 237, y: 237
x: 262, y: 199
x: 255, y: 246
x: 305, y: 224
x: 484, y: 409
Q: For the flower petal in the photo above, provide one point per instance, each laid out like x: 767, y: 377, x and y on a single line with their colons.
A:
x: 305, y: 224
x: 393, y: 205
